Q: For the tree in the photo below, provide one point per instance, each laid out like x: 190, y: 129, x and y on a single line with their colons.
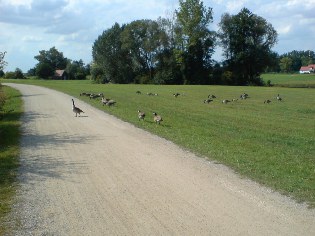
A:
x: 76, y: 70
x: 53, y: 58
x: 112, y: 62
x: 247, y: 40
x: 286, y: 64
x: 300, y: 58
x: 145, y: 40
x: 18, y: 74
x: 44, y: 70
x: 194, y: 41
x: 3, y: 63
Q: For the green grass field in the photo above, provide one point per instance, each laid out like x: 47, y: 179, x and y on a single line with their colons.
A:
x: 291, y: 80
x: 273, y: 144
x: 9, y: 150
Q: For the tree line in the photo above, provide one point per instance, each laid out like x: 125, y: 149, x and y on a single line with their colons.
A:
x: 179, y: 50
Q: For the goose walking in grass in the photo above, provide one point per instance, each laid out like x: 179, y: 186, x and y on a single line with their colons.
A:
x: 111, y: 103
x: 225, y: 101
x: 157, y: 119
x: 207, y: 101
x: 75, y: 109
x: 141, y: 115
x: 104, y: 101
x: 279, y: 98
x: 267, y: 101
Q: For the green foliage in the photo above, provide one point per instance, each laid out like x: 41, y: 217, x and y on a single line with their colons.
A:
x: 76, y: 70
x: 194, y: 41
x: 48, y: 62
x: 111, y: 61
x: 163, y: 52
x: 286, y: 64
x: 18, y: 74
x: 247, y: 40
x: 44, y: 70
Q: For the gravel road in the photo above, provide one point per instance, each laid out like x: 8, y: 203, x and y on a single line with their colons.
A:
x: 97, y: 175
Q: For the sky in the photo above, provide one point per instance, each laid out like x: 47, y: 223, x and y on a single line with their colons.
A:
x: 72, y: 26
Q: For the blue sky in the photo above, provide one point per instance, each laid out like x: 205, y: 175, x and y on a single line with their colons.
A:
x: 72, y: 26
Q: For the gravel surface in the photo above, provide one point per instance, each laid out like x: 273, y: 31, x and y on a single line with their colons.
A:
x: 97, y: 175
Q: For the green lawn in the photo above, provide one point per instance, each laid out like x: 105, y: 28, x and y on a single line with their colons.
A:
x: 9, y: 150
x: 291, y: 80
x: 273, y: 144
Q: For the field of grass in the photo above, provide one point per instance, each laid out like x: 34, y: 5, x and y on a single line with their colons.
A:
x: 290, y: 80
x: 273, y: 144
x: 9, y: 150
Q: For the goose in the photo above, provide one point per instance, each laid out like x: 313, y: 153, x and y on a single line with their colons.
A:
x: 104, y: 101
x: 138, y: 92
x: 244, y: 96
x: 110, y: 103
x: 157, y: 119
x: 141, y: 115
x: 267, y: 101
x: 225, y: 101
x: 279, y: 98
x: 75, y: 109
x: 207, y: 101
x: 211, y: 96
x: 85, y: 94
x: 176, y: 94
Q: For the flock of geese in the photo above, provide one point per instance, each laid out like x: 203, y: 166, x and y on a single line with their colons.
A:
x: 156, y: 118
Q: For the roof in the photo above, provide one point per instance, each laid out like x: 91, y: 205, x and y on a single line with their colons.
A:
x: 59, y: 72
x: 305, y: 68
x: 311, y: 66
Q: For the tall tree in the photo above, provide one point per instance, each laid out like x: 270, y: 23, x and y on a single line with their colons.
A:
x: 111, y: 61
x: 247, y: 40
x: 286, y: 64
x: 194, y: 40
x: 53, y: 58
x: 144, y: 39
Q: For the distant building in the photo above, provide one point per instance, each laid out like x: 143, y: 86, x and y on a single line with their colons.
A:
x: 312, y: 66
x: 307, y: 69
x: 60, y: 74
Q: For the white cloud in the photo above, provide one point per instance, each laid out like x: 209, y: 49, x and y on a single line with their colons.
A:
x: 29, y: 38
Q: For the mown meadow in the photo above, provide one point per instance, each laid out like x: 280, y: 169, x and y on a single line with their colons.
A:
x: 273, y: 144
x: 293, y: 80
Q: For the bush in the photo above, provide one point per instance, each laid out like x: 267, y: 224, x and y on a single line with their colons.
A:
x: 9, y: 75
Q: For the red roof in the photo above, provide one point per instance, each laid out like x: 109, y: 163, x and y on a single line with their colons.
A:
x: 59, y: 72
x: 305, y: 68
x: 312, y: 66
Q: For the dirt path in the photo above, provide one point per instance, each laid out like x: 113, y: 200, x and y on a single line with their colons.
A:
x: 96, y: 175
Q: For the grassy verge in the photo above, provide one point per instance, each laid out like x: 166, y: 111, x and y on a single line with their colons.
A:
x: 290, y: 80
x: 273, y: 144
x: 9, y: 150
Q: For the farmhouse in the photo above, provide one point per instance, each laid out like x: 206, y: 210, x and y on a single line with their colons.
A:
x: 312, y: 66
x: 60, y: 74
